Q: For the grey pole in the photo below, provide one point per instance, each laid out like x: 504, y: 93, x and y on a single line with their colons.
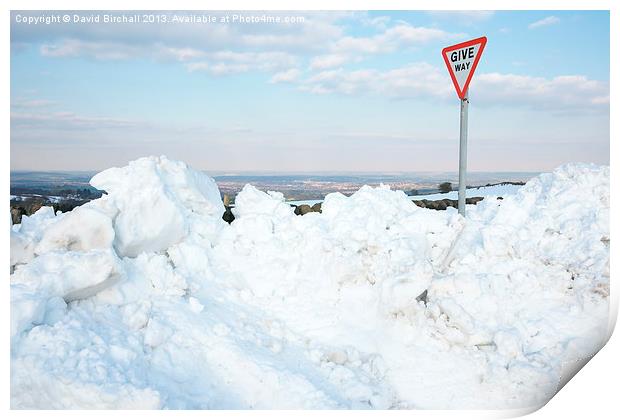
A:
x: 463, y: 154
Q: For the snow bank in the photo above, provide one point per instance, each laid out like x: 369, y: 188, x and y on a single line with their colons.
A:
x: 153, y: 201
x: 251, y: 201
x: 150, y: 206
x: 531, y: 278
x: 156, y: 302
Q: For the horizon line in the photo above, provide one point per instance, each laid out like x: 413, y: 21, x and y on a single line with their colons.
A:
x: 224, y: 172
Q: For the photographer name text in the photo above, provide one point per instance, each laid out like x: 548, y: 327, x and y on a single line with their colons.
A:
x: 146, y: 18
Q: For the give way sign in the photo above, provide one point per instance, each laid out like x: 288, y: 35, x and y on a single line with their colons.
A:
x: 462, y: 60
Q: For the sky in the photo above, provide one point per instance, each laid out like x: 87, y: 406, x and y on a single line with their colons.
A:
x: 307, y: 91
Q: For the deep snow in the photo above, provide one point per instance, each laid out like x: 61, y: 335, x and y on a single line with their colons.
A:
x: 146, y: 298
x: 490, y: 191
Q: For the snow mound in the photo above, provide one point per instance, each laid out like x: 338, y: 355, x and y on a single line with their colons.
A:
x: 153, y: 201
x: 150, y: 206
x: 251, y: 201
x: 145, y: 298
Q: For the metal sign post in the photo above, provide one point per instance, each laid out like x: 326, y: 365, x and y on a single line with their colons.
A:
x: 463, y: 155
x: 462, y: 60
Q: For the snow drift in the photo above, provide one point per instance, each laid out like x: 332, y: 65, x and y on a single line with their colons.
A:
x: 146, y: 298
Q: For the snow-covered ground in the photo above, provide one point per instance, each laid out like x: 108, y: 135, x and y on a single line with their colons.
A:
x: 491, y: 191
x: 50, y: 198
x: 146, y: 298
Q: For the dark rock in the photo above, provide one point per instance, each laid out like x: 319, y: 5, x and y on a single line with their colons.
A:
x: 302, y: 209
x: 423, y: 297
x: 473, y: 200
x: 445, y: 187
x: 17, y: 213
x: 228, y: 215
x: 35, y: 207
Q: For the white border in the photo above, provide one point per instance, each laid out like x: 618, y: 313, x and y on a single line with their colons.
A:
x: 592, y: 394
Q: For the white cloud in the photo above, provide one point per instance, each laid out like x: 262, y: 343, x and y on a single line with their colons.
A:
x: 414, y: 80
x: 270, y: 58
x: 189, y: 41
x: 97, y: 50
x: 233, y: 49
x: 422, y: 80
x: 286, y: 76
x: 380, y: 22
x: 103, y: 50
x: 200, y: 66
x: 463, y: 16
x: 327, y: 61
x: 222, y: 49
x: 316, y: 30
x: 32, y: 103
x: 179, y: 54
x: 230, y: 62
x: 400, y: 36
x: 219, y: 62
x: 564, y: 93
x: 219, y: 69
x: 549, y: 20
x: 600, y: 100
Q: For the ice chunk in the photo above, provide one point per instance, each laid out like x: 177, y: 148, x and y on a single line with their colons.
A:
x: 33, y: 224
x: 71, y: 274
x: 25, y: 236
x: 82, y: 229
x: 22, y: 250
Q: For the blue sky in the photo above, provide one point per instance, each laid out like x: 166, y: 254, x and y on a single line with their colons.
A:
x: 354, y: 91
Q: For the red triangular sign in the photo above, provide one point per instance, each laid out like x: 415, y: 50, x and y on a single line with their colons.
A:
x: 461, y: 60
